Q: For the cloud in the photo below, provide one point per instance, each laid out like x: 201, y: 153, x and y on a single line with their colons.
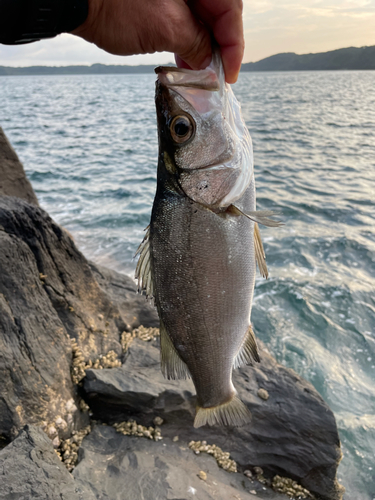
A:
x: 306, y: 26
x: 68, y: 49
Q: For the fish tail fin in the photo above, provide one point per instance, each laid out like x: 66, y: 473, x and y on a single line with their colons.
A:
x: 234, y: 413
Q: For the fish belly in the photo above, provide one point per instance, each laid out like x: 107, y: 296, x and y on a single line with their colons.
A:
x: 203, y: 267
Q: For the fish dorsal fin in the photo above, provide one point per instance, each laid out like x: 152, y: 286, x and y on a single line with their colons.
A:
x: 234, y: 413
x: 172, y: 366
x: 143, y: 271
x: 260, y: 256
x: 248, y: 351
x: 259, y: 216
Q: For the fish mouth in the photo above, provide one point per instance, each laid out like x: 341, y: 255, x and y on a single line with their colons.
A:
x: 203, y: 79
x: 213, y: 166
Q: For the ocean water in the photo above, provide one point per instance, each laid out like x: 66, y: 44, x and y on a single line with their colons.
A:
x: 89, y: 146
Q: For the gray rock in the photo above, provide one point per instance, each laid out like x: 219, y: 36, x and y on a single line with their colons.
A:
x: 117, y: 467
x: 122, y: 291
x: 30, y: 469
x: 66, y: 282
x: 35, y: 353
x: 139, y: 389
x: 13, y: 180
x: 49, y: 293
x: 293, y: 432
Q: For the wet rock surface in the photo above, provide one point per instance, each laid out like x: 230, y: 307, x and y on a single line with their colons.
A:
x: 293, y: 432
x: 30, y: 469
x: 128, y: 468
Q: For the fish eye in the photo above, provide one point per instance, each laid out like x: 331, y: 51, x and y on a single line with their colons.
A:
x: 182, y: 129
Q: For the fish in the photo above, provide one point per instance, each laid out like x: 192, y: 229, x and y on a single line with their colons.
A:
x: 197, y: 261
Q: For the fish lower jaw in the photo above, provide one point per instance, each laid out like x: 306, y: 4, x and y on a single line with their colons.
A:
x: 213, y: 166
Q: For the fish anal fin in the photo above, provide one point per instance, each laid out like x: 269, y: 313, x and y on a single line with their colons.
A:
x: 143, y: 271
x: 259, y: 216
x: 248, y: 351
x: 260, y: 256
x: 172, y: 366
x: 233, y: 413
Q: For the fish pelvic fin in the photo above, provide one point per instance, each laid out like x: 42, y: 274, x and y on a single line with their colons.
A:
x: 233, y: 413
x: 143, y: 273
x: 260, y: 256
x: 172, y: 366
x: 248, y: 350
x: 259, y: 216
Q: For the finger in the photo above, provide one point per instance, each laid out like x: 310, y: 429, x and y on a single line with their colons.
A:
x: 224, y: 18
x: 232, y: 59
x: 228, y: 32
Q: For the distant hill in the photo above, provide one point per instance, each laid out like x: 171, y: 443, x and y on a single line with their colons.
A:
x: 350, y: 58
x: 342, y: 59
x: 94, y: 69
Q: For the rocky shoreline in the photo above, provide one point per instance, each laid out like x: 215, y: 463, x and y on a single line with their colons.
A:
x: 84, y: 409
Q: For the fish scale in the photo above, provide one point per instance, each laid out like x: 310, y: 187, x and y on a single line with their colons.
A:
x: 205, y: 305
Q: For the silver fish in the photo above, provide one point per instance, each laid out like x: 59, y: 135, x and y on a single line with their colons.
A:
x: 198, y: 257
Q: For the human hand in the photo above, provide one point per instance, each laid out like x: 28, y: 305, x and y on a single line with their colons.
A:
x: 127, y: 27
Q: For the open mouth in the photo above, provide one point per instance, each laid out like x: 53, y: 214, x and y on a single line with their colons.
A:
x: 204, y: 79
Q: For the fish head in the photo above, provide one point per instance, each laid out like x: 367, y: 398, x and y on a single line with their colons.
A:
x: 203, y: 139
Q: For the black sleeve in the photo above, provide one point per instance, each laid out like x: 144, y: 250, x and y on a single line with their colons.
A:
x: 24, y: 21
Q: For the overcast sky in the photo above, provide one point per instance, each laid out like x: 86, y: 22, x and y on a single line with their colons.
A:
x: 271, y: 26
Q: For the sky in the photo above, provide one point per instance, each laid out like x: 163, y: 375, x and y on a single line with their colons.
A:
x: 271, y: 27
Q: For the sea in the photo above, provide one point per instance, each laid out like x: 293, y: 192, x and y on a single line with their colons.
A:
x: 89, y: 147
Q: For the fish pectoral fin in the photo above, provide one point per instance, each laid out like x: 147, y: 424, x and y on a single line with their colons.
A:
x: 259, y: 216
x: 143, y: 273
x: 234, y: 413
x: 172, y: 366
x: 260, y: 256
x: 248, y: 350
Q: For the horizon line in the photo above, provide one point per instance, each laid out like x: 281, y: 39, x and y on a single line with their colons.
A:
x: 173, y: 64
